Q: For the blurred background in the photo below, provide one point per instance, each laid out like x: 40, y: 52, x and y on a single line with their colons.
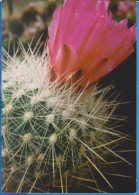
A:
x: 29, y: 20
x: 26, y: 21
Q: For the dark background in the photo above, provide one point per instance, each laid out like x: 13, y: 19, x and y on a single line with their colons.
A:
x: 124, y: 80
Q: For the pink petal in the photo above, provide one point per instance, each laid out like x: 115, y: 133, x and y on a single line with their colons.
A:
x: 65, y: 60
x: 100, y: 67
x: 53, y: 30
x: 83, y: 35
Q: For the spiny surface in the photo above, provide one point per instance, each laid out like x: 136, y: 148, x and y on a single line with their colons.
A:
x: 53, y: 133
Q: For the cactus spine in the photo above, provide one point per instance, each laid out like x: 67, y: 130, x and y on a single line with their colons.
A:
x: 53, y: 133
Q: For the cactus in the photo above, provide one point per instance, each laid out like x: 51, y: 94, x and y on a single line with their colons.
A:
x: 53, y: 133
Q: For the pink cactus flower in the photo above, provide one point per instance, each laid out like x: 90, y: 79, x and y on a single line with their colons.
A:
x: 30, y: 31
x: 129, y: 4
x: 123, y: 7
x: 85, y: 43
x: 38, y: 24
x: 31, y: 5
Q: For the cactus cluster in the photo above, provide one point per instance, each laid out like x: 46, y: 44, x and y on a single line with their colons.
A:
x: 53, y: 133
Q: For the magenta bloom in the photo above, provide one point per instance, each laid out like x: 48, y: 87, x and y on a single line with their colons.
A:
x: 31, y: 5
x: 123, y: 7
x: 85, y: 42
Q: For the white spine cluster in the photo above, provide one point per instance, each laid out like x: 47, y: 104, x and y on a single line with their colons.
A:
x: 54, y: 133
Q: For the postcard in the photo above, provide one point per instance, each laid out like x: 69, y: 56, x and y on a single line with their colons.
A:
x: 69, y: 96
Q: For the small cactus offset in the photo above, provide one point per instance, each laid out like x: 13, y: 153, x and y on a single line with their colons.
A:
x: 53, y: 133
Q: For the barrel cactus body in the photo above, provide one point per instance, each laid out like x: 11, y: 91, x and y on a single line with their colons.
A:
x: 53, y: 133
